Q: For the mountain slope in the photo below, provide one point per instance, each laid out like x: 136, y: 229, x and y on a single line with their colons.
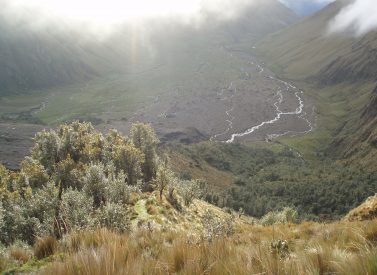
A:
x: 357, y: 142
x: 44, y: 57
x: 339, y: 71
x: 35, y: 59
x: 303, y: 49
x: 358, y: 64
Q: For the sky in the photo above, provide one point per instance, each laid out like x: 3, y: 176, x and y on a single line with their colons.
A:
x: 305, y: 7
x: 112, y: 11
x: 357, y: 18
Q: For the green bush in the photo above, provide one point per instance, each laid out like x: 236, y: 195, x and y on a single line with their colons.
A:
x: 95, y: 184
x: 215, y: 227
x: 113, y: 216
x: 287, y: 215
x: 118, y: 191
x: 76, y: 210
x: 190, y: 190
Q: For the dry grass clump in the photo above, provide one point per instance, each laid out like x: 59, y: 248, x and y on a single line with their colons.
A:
x: 45, y: 247
x: 19, y: 254
x: 338, y: 248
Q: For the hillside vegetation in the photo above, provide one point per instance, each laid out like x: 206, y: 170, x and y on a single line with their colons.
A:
x: 264, y: 178
x: 337, y: 70
x: 85, y: 203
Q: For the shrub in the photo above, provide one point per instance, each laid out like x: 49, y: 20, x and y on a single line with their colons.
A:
x: 287, y: 215
x: 280, y: 247
x: 35, y: 172
x: 172, y: 199
x: 190, y: 190
x: 95, y: 183
x: 74, y: 138
x: 163, y: 178
x: 144, y: 138
x: 46, y: 149
x: 66, y: 174
x: 118, y: 191
x: 4, y: 181
x: 41, y: 208
x: 215, y: 227
x: 129, y: 159
x: 75, y: 210
x: 29, y: 217
x: 1, y: 216
x: 113, y: 216
x: 26, y: 219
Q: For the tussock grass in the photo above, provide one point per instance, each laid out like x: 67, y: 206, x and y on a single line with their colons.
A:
x: 45, y: 247
x: 19, y: 254
x: 337, y: 248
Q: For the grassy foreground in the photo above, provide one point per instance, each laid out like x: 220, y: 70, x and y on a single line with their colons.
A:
x: 309, y: 248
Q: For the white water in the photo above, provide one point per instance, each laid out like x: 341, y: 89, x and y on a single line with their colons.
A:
x: 279, y: 114
x: 299, y: 112
x: 230, y: 117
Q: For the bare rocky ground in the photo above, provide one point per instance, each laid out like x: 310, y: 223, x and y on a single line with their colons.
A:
x: 206, y: 106
x: 219, y: 110
x: 16, y: 139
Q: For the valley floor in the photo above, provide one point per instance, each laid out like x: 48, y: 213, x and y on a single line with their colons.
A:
x: 225, y: 93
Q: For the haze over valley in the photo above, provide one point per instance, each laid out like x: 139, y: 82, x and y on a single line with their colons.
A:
x: 188, y: 137
x: 172, y: 74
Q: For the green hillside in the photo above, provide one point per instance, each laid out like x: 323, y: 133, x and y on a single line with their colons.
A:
x: 339, y: 72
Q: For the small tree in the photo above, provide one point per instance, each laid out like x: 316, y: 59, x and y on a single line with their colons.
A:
x: 74, y: 138
x: 129, y: 159
x: 145, y: 139
x: 190, y: 190
x: 164, y: 177
x: 118, y: 191
x: 215, y: 227
x: 66, y: 176
x: 34, y: 170
x: 113, y: 216
x: 1, y: 216
x: 95, y: 183
x: 4, y: 181
x: 76, y: 209
x: 46, y: 149
x: 94, y: 150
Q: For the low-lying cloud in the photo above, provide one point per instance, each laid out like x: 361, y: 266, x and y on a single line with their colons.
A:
x: 105, y: 14
x: 358, y: 18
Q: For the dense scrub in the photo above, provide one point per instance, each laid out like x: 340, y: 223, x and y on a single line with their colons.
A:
x: 270, y: 179
x: 78, y: 179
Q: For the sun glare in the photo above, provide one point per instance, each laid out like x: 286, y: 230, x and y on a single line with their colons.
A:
x: 111, y: 11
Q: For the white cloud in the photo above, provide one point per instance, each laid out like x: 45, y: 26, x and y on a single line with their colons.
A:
x: 115, y: 11
x: 104, y: 16
x: 359, y: 18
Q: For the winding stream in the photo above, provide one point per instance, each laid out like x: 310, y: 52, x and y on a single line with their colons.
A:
x: 299, y: 111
